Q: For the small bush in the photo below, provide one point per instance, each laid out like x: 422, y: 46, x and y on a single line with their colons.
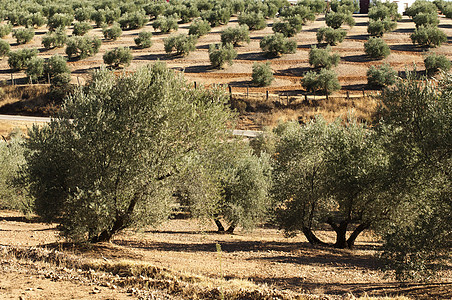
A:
x: 426, y: 19
x: 54, y: 39
x: 23, y: 35
x: 323, y: 58
x: 34, y: 68
x: 219, y: 55
x: 380, y: 27
x: 99, y: 17
x: 17, y: 60
x: 336, y: 19
x: 55, y: 68
x: 82, y: 47
x: 384, y: 11
x: 421, y: 6
x: 428, y: 36
x: 289, y: 27
x: 255, y: 21
x: 4, y: 48
x: 303, y: 12
x: 112, y: 33
x: 381, y: 76
x: 346, y: 6
x: 277, y: 44
x: 317, y: 6
x: 83, y: 14
x: 236, y: 35
x: 81, y: 28
x: 217, y: 16
x: 188, y: 13
x: 262, y: 74
x: 435, y: 62
x: 5, y: 29
x: 330, y: 35
x: 376, y: 48
x: 59, y: 20
x: 199, y: 28
x: 118, y: 56
x: 183, y: 44
x: 325, y: 81
x: 155, y: 9
x: 165, y: 24
x: 144, y: 39
x: 133, y: 20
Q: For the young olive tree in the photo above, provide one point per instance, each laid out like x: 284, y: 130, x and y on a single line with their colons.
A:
x: 183, y: 44
x: 262, y: 74
x: 23, y: 35
x: 4, y: 48
x: 112, y: 33
x: 57, y: 70
x: 289, y: 27
x: 277, y: 45
x: 325, y: 81
x: 165, y: 24
x: 82, y: 46
x: 81, y: 28
x: 336, y: 19
x: 435, y: 62
x: 330, y: 35
x: 380, y: 27
x: 118, y: 56
x: 144, y: 39
x: 113, y: 155
x: 35, y: 68
x: 428, y: 36
x: 381, y: 76
x: 376, y: 48
x: 254, y: 21
x: 199, y: 28
x: 323, y: 58
x: 5, y: 29
x: 54, y: 39
x: 220, y: 54
x: 17, y: 60
x: 236, y: 35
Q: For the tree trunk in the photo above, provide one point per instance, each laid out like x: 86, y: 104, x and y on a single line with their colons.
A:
x: 219, y: 225
x: 231, y: 228
x: 351, y: 240
x: 341, y: 232
x: 312, y: 238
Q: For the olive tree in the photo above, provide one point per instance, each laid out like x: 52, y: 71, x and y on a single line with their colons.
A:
x: 381, y: 76
x: 112, y: 156
x: 330, y: 35
x: 220, y: 54
x: 262, y: 74
x: 323, y: 58
x: 4, y: 48
x: 376, y: 48
x: 23, y: 35
x: 277, y: 45
x: 435, y: 62
x: 82, y: 46
x: 183, y: 44
x: 325, y: 81
x: 199, y: 27
x: 144, y: 39
x: 235, y: 35
x: 118, y: 56
x: 336, y: 19
x: 55, y: 38
x: 17, y: 60
x: 428, y: 36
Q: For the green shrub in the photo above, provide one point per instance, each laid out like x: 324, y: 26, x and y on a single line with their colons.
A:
x: 381, y: 76
x: 346, y: 6
x: 144, y: 39
x: 23, y: 35
x: 330, y: 35
x: 384, y: 10
x: 31, y: 20
x: 188, y: 13
x: 219, y: 55
x: 155, y: 9
x: 183, y: 44
x: 5, y: 29
x: 277, y: 44
x: 379, y: 27
x: 236, y: 35
x: 426, y: 19
x: 57, y: 70
x: 303, y: 12
x: 165, y: 24
x: 59, y: 20
x: 34, y: 68
x: 289, y: 27
x: 199, y: 27
x: 112, y: 33
x: 421, y: 6
x: 447, y: 11
x: 133, y: 20
x: 99, y: 17
x: 435, y: 62
x: 4, y: 48
x: 428, y: 36
x: 325, y: 81
x: 262, y: 74
x: 83, y: 14
x: 376, y: 48
x: 336, y: 19
x: 53, y: 39
x: 217, y: 16
x: 81, y: 28
x: 323, y: 58
x: 82, y: 46
x: 118, y: 56
x: 17, y: 60
x: 316, y: 6
x: 255, y: 21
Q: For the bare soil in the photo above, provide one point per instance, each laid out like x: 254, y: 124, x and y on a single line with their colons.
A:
x: 260, y: 260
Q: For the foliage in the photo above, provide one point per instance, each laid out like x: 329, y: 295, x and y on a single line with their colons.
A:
x: 199, y: 28
x: 323, y: 58
x: 380, y: 27
x: 219, y: 55
x: 57, y: 70
x: 376, y: 48
x: 183, y: 44
x: 4, y: 48
x: 325, y: 81
x: 98, y: 17
x: 336, y: 19
x: 277, y: 44
x: 235, y: 35
x: 217, y: 16
x: 118, y: 56
x: 188, y: 13
x: 435, y: 62
x: 144, y: 39
x: 23, y: 35
x: 316, y: 6
x: 384, y: 10
x: 55, y: 38
x: 345, y: 6
x: 82, y: 46
x: 5, y: 29
x: 300, y: 11
x: 83, y: 14
x: 289, y: 27
x: 262, y: 74
x: 381, y: 76
x: 428, y: 36
x: 35, y: 68
x: 421, y: 6
x: 426, y: 19
x: 112, y: 33
x: 59, y: 20
x: 330, y: 35
x: 81, y: 28
x: 112, y: 157
x: 255, y: 21
x: 17, y: 60
x: 165, y: 24
x: 133, y: 20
